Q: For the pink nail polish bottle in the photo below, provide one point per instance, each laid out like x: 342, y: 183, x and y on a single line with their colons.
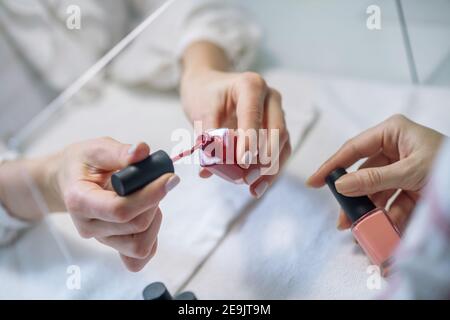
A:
x: 372, y: 228
x: 218, y: 155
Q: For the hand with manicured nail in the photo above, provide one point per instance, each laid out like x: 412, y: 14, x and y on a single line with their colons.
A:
x: 128, y: 224
x: 399, y: 153
x: 222, y: 99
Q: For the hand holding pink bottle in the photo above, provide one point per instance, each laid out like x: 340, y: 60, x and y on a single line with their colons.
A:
x: 399, y: 153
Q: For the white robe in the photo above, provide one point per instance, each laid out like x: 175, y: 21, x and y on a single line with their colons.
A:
x: 60, y: 55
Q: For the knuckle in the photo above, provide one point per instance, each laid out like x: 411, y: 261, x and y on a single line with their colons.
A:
x: 412, y: 173
x: 288, y: 148
x: 373, y: 178
x: 140, y: 249
x: 254, y: 80
x: 134, y: 265
x: 154, y: 249
x: 105, y: 139
x: 155, y: 192
x: 85, y: 232
x: 252, y: 112
x: 72, y: 200
x: 141, y: 223
x: 284, y: 134
x: 160, y: 194
x: 397, y: 119
x: 349, y: 143
x: 119, y: 213
x: 156, y: 197
x: 158, y: 217
x: 276, y: 94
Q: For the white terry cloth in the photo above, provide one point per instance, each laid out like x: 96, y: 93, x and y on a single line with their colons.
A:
x: 196, y: 214
x: 39, y: 32
x: 10, y: 227
x: 288, y: 246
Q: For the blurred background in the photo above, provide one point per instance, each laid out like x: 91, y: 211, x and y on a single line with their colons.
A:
x: 325, y: 37
x: 329, y: 37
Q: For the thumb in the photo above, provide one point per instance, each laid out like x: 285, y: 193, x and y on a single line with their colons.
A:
x: 372, y: 180
x: 110, y: 155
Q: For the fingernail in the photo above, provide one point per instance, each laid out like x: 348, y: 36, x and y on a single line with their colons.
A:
x: 172, y: 183
x: 261, y: 188
x: 347, y: 184
x: 253, y: 175
x: 132, y: 149
x: 247, y: 159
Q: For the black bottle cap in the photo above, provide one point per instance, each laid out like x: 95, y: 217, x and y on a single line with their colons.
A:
x: 138, y: 175
x: 156, y: 291
x: 354, y: 207
x: 188, y: 295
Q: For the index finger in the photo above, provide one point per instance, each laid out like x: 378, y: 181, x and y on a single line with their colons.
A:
x: 362, y: 146
x: 90, y: 201
x: 250, y: 97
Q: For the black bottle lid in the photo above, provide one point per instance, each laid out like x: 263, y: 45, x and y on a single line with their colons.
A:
x: 156, y: 291
x: 354, y: 207
x: 188, y: 295
x: 138, y: 175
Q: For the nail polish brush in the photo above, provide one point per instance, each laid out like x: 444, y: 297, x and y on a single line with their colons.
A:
x: 138, y: 175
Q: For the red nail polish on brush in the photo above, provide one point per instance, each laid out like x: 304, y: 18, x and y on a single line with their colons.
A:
x: 372, y: 228
x: 217, y: 154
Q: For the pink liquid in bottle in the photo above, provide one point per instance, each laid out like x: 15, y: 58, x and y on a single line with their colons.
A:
x: 217, y: 154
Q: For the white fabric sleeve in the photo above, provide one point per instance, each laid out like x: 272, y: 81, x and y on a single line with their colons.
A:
x: 10, y: 227
x: 154, y: 58
x: 60, y: 55
x: 39, y: 31
x: 224, y: 25
x: 423, y: 259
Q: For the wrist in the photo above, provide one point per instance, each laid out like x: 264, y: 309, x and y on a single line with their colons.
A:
x: 203, y: 57
x: 44, y: 173
x: 49, y: 185
x: 21, y: 181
